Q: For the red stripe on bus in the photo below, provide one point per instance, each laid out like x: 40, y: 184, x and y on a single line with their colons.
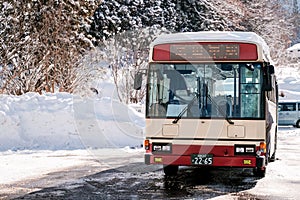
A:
x: 184, y: 160
x: 222, y: 156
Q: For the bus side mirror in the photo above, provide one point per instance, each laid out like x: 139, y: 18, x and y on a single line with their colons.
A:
x: 138, y: 79
x: 268, y: 78
x: 271, y: 70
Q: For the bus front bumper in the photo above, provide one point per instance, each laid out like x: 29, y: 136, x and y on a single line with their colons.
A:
x: 225, y: 161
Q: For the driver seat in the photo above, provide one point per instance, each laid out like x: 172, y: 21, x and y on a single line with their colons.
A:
x: 177, y: 84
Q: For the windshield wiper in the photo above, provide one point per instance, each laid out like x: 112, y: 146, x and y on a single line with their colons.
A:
x: 220, y: 110
x: 185, y: 109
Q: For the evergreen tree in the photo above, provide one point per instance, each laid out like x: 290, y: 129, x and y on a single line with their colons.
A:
x: 116, y: 16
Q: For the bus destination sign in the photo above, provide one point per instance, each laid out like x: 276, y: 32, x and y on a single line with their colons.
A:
x: 203, y: 51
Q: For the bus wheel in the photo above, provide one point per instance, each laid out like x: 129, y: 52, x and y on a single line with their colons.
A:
x: 298, y: 124
x: 273, y: 157
x: 170, y: 170
x: 258, y: 172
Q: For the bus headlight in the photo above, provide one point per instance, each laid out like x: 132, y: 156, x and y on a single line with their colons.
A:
x: 239, y: 149
x: 162, y: 147
x: 244, y: 149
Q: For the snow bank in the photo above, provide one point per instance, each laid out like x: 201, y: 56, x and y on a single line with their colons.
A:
x: 107, y: 123
x: 64, y: 121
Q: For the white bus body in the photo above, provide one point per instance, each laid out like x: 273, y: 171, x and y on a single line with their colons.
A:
x: 211, y: 101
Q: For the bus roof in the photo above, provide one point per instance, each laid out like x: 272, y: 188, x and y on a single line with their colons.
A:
x: 217, y: 36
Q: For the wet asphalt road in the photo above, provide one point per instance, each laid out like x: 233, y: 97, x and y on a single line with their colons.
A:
x: 130, y: 178
x: 139, y: 181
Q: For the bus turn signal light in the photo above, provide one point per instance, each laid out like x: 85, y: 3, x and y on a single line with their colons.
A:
x: 147, y: 144
x: 263, y: 147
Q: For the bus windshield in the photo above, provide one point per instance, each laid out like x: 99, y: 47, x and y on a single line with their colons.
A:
x: 224, y: 90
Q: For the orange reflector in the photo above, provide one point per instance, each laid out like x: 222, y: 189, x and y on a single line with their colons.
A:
x: 157, y: 159
x: 147, y: 144
x: 263, y: 147
x: 247, y: 162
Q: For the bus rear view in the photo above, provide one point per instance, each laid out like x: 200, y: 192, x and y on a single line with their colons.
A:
x: 211, y: 101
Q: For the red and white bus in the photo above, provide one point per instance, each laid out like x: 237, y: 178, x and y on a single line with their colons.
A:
x: 211, y: 101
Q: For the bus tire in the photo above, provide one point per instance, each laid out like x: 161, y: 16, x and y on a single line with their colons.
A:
x: 170, y: 170
x: 298, y: 124
x: 273, y: 157
x: 258, y: 172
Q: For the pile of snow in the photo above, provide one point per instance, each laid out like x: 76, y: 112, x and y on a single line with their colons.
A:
x: 63, y: 121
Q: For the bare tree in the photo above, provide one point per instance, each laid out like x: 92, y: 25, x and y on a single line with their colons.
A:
x: 127, y: 53
x: 92, y: 68
x: 41, y: 44
x: 273, y: 22
x: 296, y: 19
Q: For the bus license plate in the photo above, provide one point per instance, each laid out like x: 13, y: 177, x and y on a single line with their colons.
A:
x: 202, y: 159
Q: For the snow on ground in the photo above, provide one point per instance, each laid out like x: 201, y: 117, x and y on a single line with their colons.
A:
x: 45, y: 133
x: 284, y: 172
x: 20, y: 165
x: 282, y: 177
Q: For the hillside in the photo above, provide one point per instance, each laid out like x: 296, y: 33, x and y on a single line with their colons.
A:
x: 50, y: 46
